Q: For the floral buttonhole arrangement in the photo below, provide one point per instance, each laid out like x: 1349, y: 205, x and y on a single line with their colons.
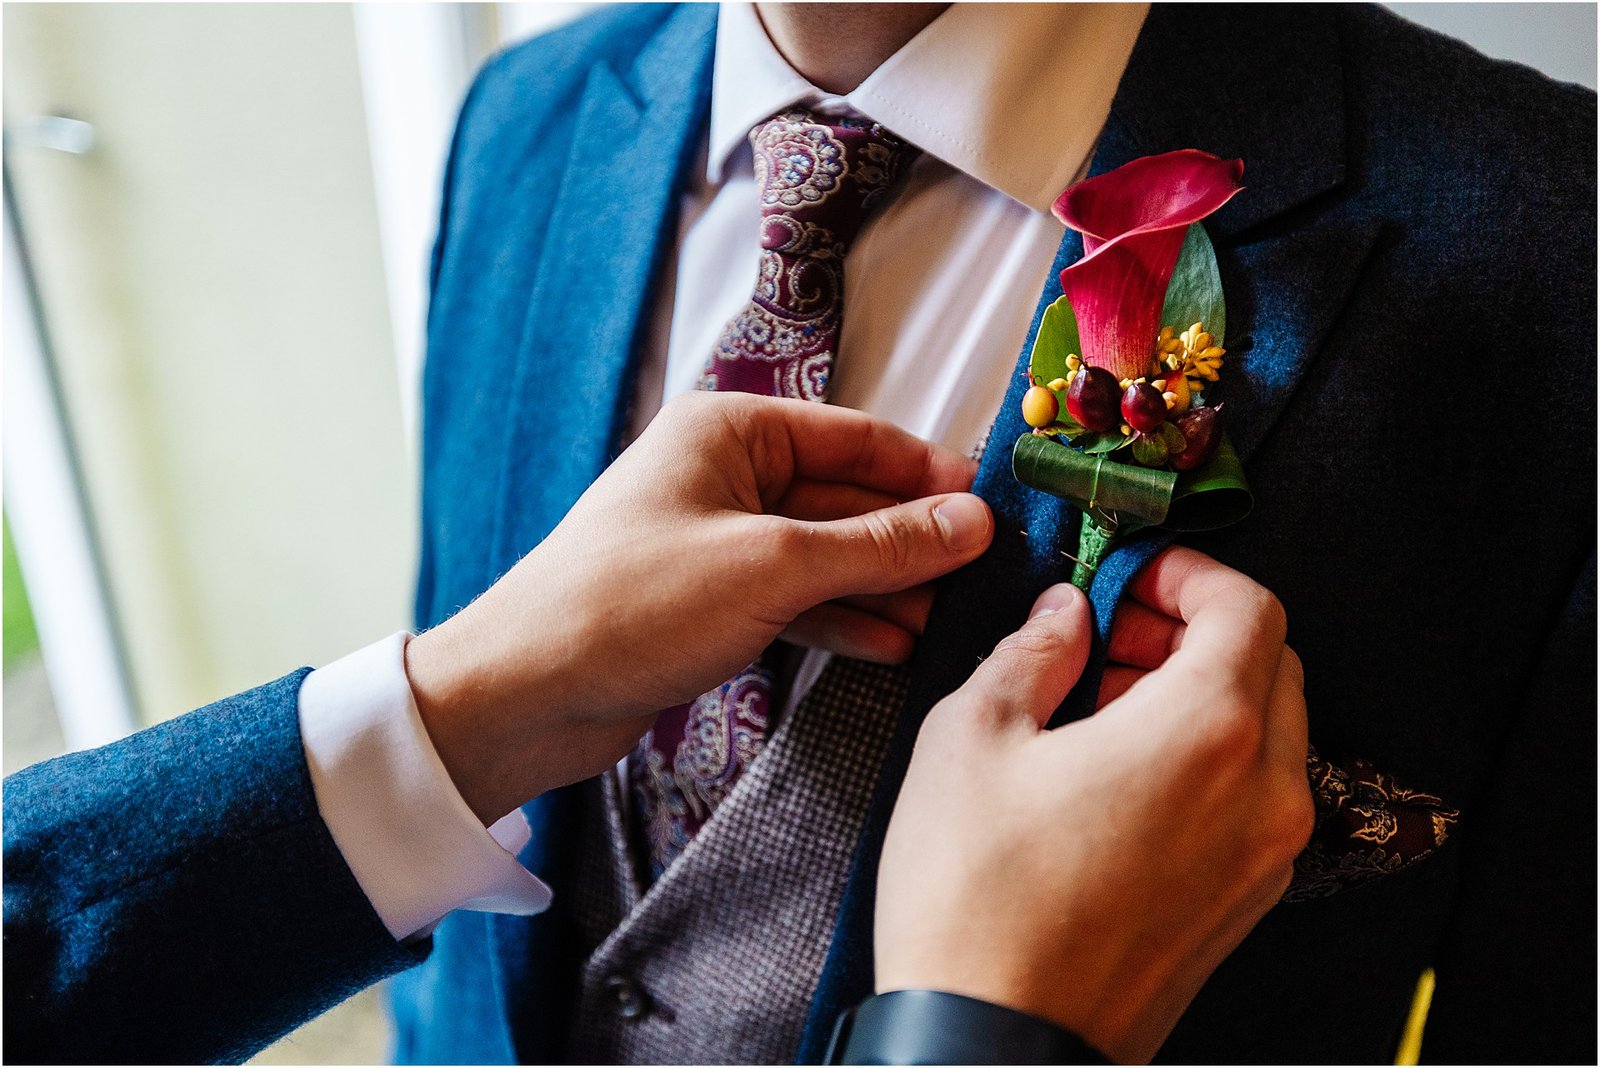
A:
x: 1127, y: 424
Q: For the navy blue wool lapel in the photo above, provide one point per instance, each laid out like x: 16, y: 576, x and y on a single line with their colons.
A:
x: 613, y: 221
x: 615, y: 213
x: 1287, y: 276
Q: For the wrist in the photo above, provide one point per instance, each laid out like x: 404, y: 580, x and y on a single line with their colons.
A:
x: 466, y: 706
x: 515, y: 708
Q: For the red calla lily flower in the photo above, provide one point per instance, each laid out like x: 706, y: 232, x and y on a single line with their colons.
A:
x: 1133, y: 221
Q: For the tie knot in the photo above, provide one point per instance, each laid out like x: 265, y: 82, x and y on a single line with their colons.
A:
x: 819, y: 178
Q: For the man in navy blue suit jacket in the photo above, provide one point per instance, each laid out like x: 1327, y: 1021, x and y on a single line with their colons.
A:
x: 1410, y: 278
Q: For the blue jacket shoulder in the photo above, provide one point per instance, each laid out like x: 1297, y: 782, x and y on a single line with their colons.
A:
x: 521, y: 88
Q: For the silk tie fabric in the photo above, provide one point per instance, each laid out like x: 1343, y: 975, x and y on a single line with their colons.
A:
x: 817, y: 180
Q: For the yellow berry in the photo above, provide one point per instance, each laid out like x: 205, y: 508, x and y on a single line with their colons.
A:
x: 1039, y: 407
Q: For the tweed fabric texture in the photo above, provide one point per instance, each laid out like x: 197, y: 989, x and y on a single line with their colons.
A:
x: 175, y: 897
x: 608, y: 881
x: 723, y: 951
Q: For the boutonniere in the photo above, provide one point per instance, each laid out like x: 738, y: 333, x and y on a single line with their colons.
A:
x: 1127, y: 424
x: 1126, y: 414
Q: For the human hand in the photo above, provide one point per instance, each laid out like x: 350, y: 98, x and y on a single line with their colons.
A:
x: 730, y: 521
x: 1097, y: 874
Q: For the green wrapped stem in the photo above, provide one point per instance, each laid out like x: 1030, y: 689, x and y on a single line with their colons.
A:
x: 1094, y: 542
x: 1116, y: 497
x: 1208, y: 498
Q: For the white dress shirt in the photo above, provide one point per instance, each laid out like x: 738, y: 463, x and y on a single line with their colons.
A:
x: 1006, y: 102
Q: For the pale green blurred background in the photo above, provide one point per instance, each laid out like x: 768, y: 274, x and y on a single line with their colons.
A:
x: 217, y: 226
x: 210, y: 470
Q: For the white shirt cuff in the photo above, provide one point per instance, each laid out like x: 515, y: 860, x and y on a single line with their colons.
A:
x: 412, y: 843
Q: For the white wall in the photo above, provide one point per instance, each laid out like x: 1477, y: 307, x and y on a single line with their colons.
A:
x: 212, y: 279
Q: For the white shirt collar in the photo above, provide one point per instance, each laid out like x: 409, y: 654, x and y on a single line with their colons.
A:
x: 1013, y: 95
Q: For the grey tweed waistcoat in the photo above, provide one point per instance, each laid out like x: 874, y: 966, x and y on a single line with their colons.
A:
x: 716, y: 963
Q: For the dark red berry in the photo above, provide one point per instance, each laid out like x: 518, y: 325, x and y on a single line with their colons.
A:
x: 1202, y: 430
x: 1143, y: 407
x: 1092, y: 398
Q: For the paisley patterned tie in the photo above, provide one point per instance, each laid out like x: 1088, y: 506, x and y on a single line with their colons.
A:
x: 818, y: 179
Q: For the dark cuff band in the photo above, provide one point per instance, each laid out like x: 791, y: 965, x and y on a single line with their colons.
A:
x: 932, y: 1027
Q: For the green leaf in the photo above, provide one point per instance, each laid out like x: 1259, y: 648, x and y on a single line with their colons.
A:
x: 1195, y: 293
x: 1133, y: 494
x: 1213, y: 495
x: 1174, y: 438
x: 1103, y: 441
x: 1150, y: 450
x: 1057, y: 337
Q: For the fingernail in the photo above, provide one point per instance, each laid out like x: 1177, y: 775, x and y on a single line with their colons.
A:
x: 964, y: 522
x: 1054, y: 600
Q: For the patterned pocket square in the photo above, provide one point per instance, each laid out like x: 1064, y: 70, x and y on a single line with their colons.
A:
x: 1367, y: 826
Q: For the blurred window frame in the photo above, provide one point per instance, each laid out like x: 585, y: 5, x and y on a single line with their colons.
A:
x: 50, y: 522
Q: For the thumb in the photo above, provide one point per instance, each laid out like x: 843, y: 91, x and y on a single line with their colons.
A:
x: 1033, y: 669
x: 894, y: 548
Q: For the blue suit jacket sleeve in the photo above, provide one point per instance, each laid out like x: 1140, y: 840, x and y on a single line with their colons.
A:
x: 176, y: 896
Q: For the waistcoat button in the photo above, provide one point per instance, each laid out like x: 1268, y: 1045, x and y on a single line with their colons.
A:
x: 626, y: 998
